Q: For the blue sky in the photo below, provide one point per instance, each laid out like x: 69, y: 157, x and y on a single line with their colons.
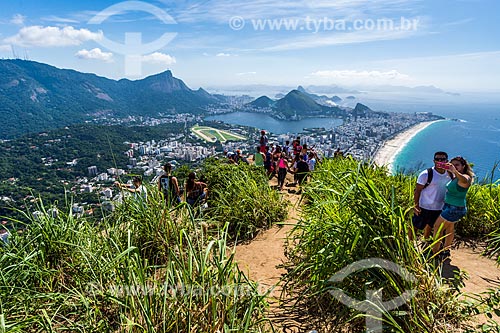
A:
x: 451, y: 44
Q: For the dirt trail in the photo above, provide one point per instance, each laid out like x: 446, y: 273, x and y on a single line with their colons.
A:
x: 259, y: 258
x: 483, y: 272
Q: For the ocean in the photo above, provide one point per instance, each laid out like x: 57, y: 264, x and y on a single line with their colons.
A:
x: 268, y: 123
x: 474, y: 134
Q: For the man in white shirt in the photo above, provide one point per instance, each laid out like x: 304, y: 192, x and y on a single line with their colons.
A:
x: 311, y: 161
x: 429, y: 196
x: 139, y: 191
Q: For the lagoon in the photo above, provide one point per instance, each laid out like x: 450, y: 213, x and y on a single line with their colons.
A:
x: 275, y: 126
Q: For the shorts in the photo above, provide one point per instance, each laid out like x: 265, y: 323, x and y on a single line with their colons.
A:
x: 426, y: 217
x: 193, y: 201
x: 453, y: 213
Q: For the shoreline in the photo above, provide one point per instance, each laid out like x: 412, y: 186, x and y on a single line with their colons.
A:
x: 387, y: 153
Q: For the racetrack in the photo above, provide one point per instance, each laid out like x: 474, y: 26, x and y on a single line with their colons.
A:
x: 211, y: 134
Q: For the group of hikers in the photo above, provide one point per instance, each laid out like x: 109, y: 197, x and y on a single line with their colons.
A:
x: 279, y: 160
x: 440, y: 200
x: 196, y: 192
x: 439, y: 196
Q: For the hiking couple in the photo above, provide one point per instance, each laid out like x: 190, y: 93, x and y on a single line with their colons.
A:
x: 440, y: 199
x: 196, y: 191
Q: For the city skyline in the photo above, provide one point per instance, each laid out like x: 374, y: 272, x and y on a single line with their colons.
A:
x: 447, y: 44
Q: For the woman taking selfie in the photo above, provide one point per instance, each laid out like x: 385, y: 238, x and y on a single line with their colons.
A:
x: 454, y: 202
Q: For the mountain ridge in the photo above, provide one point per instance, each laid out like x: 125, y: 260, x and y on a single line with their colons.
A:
x: 36, y: 96
x: 296, y: 105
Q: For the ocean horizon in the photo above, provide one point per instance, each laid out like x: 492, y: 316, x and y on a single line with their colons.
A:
x: 470, y: 131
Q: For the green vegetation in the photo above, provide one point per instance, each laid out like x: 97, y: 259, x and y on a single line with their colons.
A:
x: 242, y: 197
x: 141, y: 269
x: 144, y: 268
x: 21, y: 160
x: 355, y: 212
x: 300, y: 104
x: 36, y: 97
x: 262, y: 102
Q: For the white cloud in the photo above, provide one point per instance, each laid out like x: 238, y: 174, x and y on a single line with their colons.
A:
x: 52, y: 36
x: 350, y: 74
x: 18, y: 19
x: 96, y: 54
x: 5, y: 48
x: 221, y: 11
x: 222, y: 54
x: 312, y: 19
x: 159, y: 58
x: 246, y: 73
x: 363, y: 77
x: 356, y: 37
x: 459, y: 22
x: 58, y: 19
x: 478, y: 71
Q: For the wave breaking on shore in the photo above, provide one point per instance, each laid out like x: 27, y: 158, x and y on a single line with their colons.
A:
x: 386, y: 155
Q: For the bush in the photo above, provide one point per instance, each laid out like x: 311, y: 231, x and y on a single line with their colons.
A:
x: 240, y: 196
x: 483, y: 211
x: 142, y: 269
x: 357, y: 212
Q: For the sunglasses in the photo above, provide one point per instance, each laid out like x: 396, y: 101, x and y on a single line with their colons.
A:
x: 440, y: 159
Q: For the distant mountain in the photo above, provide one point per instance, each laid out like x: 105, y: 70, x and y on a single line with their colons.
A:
x: 336, y: 99
x: 323, y: 99
x: 36, y: 97
x: 361, y: 110
x: 410, y: 90
x: 263, y: 102
x: 331, y: 89
x: 296, y: 105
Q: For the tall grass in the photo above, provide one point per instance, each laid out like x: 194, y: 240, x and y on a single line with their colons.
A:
x: 483, y: 216
x: 240, y: 196
x: 355, y: 212
x: 141, y: 269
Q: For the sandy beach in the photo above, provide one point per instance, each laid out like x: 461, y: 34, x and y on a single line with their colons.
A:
x: 391, y: 148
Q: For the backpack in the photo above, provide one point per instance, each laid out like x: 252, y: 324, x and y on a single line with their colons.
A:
x: 165, y: 184
x: 430, y: 174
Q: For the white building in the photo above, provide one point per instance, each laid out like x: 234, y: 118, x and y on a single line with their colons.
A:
x: 92, y: 170
x: 102, y: 177
x: 108, y: 193
x: 87, y: 188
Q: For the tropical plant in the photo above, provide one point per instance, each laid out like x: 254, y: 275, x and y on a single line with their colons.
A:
x: 356, y: 212
x: 141, y: 269
x: 240, y: 196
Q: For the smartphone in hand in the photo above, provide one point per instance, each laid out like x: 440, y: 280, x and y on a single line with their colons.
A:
x: 442, y: 165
